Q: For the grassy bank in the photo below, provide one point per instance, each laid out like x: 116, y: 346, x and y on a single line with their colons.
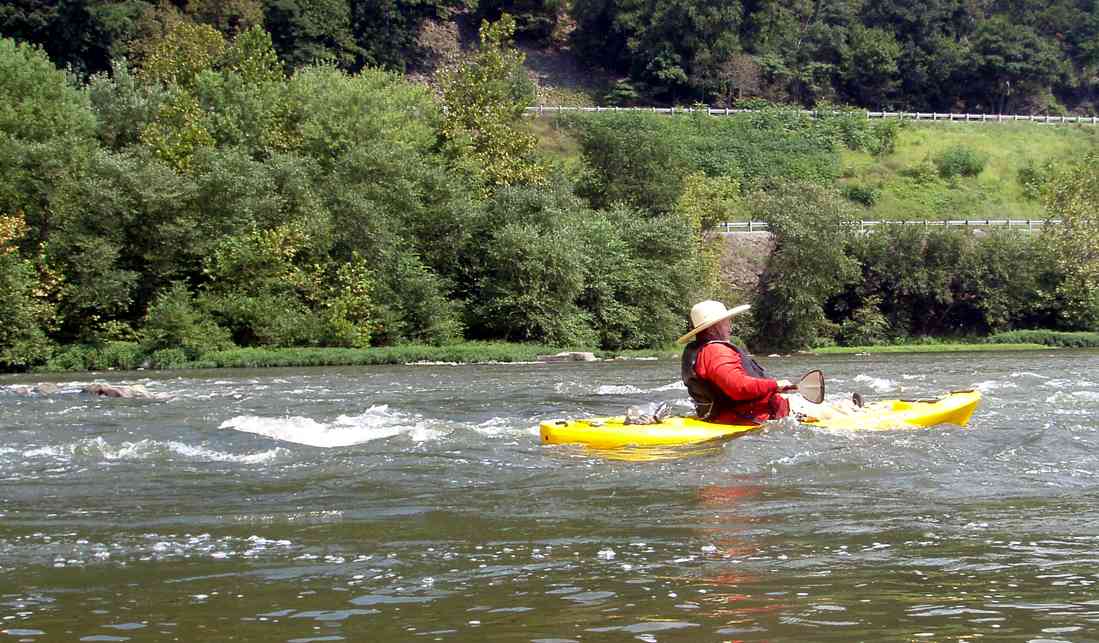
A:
x: 128, y: 356
x: 926, y: 348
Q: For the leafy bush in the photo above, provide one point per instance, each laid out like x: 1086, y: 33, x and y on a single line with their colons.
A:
x: 175, y: 322
x: 862, y: 194
x: 70, y: 358
x: 1033, y: 176
x: 168, y: 358
x: 25, y: 316
x: 125, y: 356
x: 959, y: 160
x: 866, y: 326
x: 622, y: 94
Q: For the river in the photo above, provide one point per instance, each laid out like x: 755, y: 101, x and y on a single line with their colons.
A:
x: 415, y: 503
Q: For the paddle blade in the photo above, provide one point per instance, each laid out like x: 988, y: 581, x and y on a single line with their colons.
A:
x: 811, y: 386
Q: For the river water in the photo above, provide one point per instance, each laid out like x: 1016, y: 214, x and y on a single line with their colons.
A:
x: 416, y: 503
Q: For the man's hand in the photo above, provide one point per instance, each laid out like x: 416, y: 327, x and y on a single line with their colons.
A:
x: 785, y: 385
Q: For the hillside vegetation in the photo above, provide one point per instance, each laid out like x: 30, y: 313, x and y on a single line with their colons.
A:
x: 201, y: 199
x: 1021, y: 56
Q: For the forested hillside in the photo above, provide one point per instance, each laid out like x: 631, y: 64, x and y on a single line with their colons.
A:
x: 994, y: 56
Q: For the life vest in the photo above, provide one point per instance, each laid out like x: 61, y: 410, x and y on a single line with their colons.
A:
x: 709, y: 399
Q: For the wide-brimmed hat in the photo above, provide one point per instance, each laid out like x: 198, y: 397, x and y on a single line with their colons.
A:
x: 707, y: 313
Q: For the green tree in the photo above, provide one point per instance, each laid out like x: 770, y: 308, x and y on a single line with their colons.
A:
x: 1072, y: 196
x: 673, y: 48
x: 807, y: 267
x: 484, y: 99
x: 1010, y: 65
x: 871, y: 74
x: 27, y: 314
x: 309, y: 31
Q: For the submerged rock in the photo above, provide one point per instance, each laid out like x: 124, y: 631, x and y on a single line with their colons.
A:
x: 136, y: 391
x: 41, y: 389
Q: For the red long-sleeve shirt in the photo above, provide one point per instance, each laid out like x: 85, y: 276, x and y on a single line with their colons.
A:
x: 756, y: 397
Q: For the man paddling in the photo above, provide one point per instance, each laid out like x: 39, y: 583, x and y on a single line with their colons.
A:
x: 726, y: 384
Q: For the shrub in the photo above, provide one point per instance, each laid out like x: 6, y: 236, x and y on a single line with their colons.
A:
x: 862, y: 194
x: 173, y: 321
x: 959, y: 160
x: 866, y: 326
x: 1032, y: 176
x: 168, y: 358
x: 70, y: 358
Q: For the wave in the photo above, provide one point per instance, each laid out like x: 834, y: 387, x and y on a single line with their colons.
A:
x: 618, y: 389
x: 376, y: 423
x: 879, y: 384
x: 100, y: 449
x: 992, y: 385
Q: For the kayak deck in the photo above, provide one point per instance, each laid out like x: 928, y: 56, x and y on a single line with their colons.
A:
x: 612, y: 432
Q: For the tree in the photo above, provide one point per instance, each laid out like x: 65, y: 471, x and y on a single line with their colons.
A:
x: 1011, y: 64
x: 26, y: 314
x: 807, y: 266
x: 308, y: 31
x: 1073, y: 197
x: 673, y: 48
x: 484, y: 99
x: 871, y: 73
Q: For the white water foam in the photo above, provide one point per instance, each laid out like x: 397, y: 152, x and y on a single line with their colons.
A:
x: 99, y: 449
x: 879, y: 384
x: 992, y: 385
x: 614, y: 389
x: 674, y: 386
x: 502, y: 426
x: 375, y: 423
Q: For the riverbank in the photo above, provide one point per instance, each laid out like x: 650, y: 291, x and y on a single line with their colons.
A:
x: 928, y: 348
x: 128, y: 356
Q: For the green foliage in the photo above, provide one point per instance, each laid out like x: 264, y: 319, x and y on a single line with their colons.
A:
x: 124, y: 106
x: 175, y: 321
x: 866, y: 325
x: 26, y: 314
x: 1048, y: 338
x: 168, y: 358
x: 623, y: 94
x: 484, y: 99
x: 862, y: 194
x: 184, y: 51
x: 1073, y: 197
x: 673, y: 49
x: 1033, y: 177
x: 534, y: 19
x: 311, y: 31
x: 959, y: 160
x: 709, y: 201
x: 40, y: 103
x: 807, y: 267
x: 463, y: 352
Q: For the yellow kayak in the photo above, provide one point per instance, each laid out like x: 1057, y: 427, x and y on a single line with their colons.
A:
x: 955, y: 407
x: 613, y: 432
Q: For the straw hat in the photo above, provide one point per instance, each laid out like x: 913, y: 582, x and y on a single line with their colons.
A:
x: 707, y: 313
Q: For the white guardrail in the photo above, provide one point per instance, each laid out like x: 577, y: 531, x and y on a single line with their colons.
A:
x: 545, y: 110
x: 740, y: 227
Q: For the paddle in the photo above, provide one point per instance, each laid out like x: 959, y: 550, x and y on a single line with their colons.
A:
x: 810, y: 386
